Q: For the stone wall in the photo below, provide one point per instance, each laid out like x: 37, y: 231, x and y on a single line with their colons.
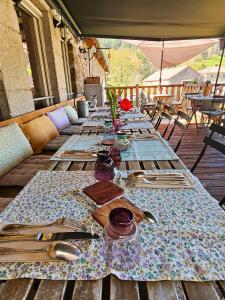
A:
x: 82, y: 69
x: 15, y: 93
x: 186, y: 74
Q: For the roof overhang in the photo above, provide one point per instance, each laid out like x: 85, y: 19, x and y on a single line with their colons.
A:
x: 146, y: 19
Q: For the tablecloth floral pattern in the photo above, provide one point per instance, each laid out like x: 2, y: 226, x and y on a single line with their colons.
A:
x: 188, y: 243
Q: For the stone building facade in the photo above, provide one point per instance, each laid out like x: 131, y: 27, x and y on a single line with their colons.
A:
x: 175, y: 75
x: 58, y: 68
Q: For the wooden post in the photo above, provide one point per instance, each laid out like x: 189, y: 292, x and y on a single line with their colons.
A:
x: 137, y: 95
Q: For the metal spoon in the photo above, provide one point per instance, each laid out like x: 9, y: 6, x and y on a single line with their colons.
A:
x: 147, y: 214
x: 55, y: 250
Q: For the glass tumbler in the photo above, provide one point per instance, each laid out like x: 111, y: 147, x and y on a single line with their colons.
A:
x: 122, y: 245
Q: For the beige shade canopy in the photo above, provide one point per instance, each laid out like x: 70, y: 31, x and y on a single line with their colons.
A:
x: 146, y: 19
x: 174, y: 52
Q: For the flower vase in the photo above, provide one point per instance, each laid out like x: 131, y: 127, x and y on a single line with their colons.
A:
x: 116, y: 125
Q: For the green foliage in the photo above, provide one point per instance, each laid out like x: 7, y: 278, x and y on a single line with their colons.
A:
x: 111, y: 96
x: 201, y: 63
x: 128, y: 65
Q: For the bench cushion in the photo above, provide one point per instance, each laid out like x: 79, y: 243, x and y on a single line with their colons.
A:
x: 71, y: 113
x: 23, y: 172
x: 39, y: 132
x: 56, y: 143
x: 79, y: 121
x: 59, y: 118
x: 14, y: 147
x: 4, y: 202
x: 70, y: 130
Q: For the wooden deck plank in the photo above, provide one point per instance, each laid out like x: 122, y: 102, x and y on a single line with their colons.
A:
x: 212, y: 165
x: 134, y: 165
x: 122, y: 166
x: 62, y: 165
x: 200, y: 291
x: 51, y: 290
x: 177, y: 164
x: 89, y: 166
x: 222, y: 286
x: 123, y: 289
x: 77, y: 165
x: 16, y: 289
x: 163, y: 164
x: 87, y: 290
x: 161, y: 290
x: 149, y: 165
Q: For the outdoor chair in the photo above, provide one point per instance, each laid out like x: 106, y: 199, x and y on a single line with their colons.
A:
x: 182, y: 121
x: 213, y: 115
x: 167, y: 113
x: 177, y: 104
x: 222, y: 202
x: 146, y: 105
x: 155, y: 110
x: 209, y: 141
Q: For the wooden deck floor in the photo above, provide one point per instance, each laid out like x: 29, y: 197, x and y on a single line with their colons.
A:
x: 211, y: 169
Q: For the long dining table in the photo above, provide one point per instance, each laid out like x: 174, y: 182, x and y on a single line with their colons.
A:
x: 111, y: 287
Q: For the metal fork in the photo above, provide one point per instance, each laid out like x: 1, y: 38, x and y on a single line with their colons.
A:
x: 61, y: 221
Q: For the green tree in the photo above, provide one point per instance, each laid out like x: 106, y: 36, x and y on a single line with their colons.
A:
x: 124, y: 68
x: 128, y: 64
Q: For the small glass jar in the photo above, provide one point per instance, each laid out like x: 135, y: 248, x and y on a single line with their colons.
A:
x: 109, y: 136
x: 122, y: 142
x: 122, y: 245
x: 104, y: 166
x: 115, y: 155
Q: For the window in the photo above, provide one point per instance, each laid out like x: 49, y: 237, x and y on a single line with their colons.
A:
x: 34, y: 49
x: 68, y: 63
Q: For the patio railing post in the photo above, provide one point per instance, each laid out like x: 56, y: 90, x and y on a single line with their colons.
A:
x: 137, y: 95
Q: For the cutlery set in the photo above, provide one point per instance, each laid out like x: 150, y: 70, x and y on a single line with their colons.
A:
x: 16, y: 238
x: 156, y: 180
x: 78, y: 154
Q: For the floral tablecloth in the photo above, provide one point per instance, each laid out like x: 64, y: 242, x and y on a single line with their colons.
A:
x: 188, y: 243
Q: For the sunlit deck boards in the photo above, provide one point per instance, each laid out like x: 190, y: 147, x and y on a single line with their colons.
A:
x: 211, y: 169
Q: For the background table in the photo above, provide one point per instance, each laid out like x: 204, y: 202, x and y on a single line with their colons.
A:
x: 111, y: 287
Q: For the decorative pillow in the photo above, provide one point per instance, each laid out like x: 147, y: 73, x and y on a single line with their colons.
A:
x: 39, y: 132
x: 71, y: 113
x: 59, y: 118
x: 14, y: 147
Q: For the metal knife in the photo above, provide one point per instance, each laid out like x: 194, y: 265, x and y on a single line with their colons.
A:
x: 54, y: 237
x: 74, y: 236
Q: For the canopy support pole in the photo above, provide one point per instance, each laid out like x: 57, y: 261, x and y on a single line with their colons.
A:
x: 218, y: 72
x: 161, y: 66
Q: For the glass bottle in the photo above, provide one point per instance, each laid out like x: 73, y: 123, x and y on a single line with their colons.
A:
x: 122, y: 240
x: 104, y: 166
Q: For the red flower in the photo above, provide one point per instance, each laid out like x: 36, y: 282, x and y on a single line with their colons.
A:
x: 126, y: 104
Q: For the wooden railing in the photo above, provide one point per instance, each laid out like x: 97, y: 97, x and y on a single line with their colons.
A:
x: 176, y: 90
